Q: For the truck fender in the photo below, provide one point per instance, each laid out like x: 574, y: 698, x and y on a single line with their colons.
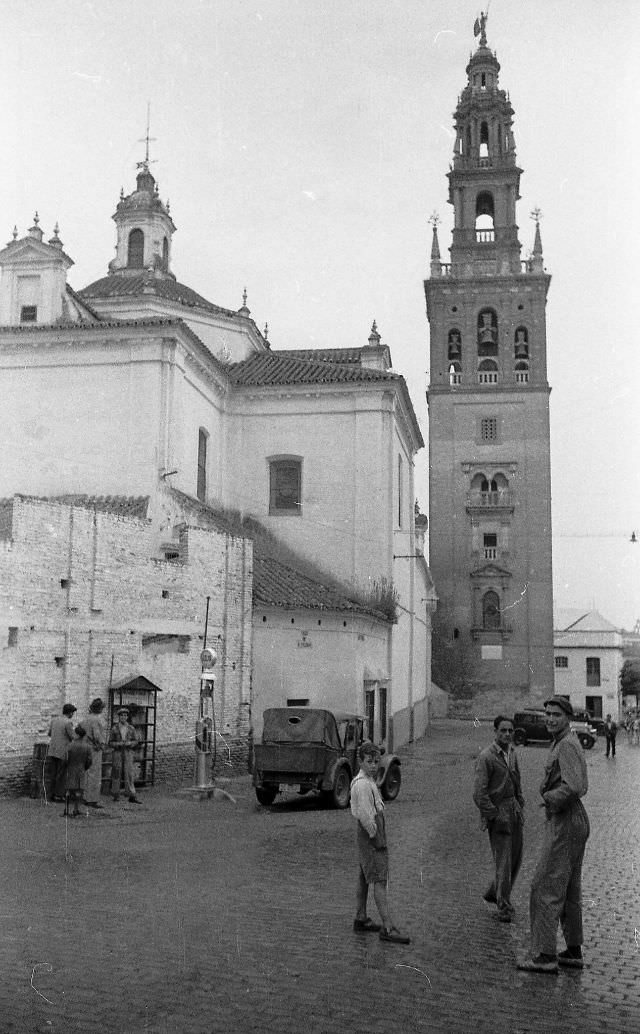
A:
x: 385, y: 763
x: 330, y: 773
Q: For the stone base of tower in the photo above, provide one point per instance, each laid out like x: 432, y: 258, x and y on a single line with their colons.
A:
x: 493, y: 700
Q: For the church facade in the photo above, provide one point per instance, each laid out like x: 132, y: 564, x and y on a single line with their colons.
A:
x: 138, y: 388
x: 488, y: 396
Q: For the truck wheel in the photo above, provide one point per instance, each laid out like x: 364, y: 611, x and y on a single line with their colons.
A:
x: 586, y: 741
x: 520, y: 738
x: 392, y: 781
x: 341, y: 791
x: 265, y: 794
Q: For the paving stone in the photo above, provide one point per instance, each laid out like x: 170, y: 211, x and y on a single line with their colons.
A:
x: 189, y: 917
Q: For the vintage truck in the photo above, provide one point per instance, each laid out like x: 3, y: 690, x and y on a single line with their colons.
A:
x: 305, y: 749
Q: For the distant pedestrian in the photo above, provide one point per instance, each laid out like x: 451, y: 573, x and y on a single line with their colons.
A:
x: 610, y: 732
x: 123, y: 741
x: 497, y: 793
x: 367, y: 807
x: 79, y: 759
x: 635, y: 731
x: 61, y: 733
x: 556, y: 889
x: 97, y: 739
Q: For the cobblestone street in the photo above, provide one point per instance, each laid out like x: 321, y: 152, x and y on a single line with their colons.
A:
x: 188, y: 917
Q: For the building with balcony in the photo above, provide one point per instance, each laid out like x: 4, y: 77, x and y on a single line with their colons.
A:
x: 488, y: 395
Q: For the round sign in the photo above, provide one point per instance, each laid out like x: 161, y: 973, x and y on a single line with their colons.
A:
x: 208, y: 658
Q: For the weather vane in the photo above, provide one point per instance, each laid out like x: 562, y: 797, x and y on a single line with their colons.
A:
x: 479, y: 28
x: 146, y: 140
x: 536, y: 213
x: 434, y: 219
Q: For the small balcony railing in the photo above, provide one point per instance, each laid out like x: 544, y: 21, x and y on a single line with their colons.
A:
x: 490, y: 552
x: 485, y: 236
x: 488, y: 377
x: 522, y: 377
x: 490, y: 500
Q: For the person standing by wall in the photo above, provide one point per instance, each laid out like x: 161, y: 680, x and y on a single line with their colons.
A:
x: 96, y: 728
x: 61, y: 733
x: 556, y: 888
x: 610, y: 733
x: 123, y: 741
x: 497, y: 793
x: 79, y: 760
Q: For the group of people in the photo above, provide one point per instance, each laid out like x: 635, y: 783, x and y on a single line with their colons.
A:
x: 632, y: 725
x: 76, y: 756
x: 556, y: 888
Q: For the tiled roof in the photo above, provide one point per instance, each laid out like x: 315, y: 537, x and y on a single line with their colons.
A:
x: 277, y: 585
x: 124, y: 505
x: 145, y: 284
x: 327, y: 355
x: 570, y: 619
x: 272, y: 368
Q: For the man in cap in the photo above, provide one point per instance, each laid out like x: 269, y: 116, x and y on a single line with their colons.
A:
x: 123, y: 741
x: 556, y: 888
x: 96, y: 730
x: 61, y: 733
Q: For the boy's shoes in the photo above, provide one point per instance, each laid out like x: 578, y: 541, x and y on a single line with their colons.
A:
x: 116, y: 796
x: 134, y: 800
x: 394, y: 935
x: 366, y: 926
x: 540, y: 964
x: 572, y: 958
x: 93, y: 804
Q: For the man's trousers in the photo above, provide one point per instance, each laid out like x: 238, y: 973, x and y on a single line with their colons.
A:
x: 556, y: 888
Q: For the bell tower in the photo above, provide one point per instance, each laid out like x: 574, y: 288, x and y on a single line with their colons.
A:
x: 488, y: 396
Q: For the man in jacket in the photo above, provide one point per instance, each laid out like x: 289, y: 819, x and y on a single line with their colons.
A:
x: 497, y: 793
x: 556, y: 888
x: 123, y: 741
x: 62, y: 734
x: 610, y: 733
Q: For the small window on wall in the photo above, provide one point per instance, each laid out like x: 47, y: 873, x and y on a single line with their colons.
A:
x: 28, y: 313
x: 203, y: 441
x: 593, y: 671
x: 298, y: 702
x: 562, y: 662
x: 285, y: 486
x: 489, y: 429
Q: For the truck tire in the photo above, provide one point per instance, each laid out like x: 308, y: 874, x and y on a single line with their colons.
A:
x: 392, y: 781
x: 265, y: 794
x: 341, y: 790
x: 586, y: 741
x: 520, y: 738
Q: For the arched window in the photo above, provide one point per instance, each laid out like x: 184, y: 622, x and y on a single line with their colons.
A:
x: 135, y: 257
x: 484, y: 133
x: 165, y: 255
x: 491, y: 610
x: 487, y: 332
x: 203, y: 441
x: 521, y: 343
x: 487, y: 372
x: 454, y: 344
x: 485, y: 213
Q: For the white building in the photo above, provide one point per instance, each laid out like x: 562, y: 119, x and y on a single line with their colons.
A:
x: 588, y: 660
x: 136, y: 386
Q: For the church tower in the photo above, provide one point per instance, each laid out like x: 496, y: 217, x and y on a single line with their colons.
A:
x: 489, y: 463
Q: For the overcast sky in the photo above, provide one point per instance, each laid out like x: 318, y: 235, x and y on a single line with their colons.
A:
x: 304, y: 145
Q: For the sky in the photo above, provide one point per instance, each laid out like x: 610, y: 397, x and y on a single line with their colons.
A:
x: 303, y: 147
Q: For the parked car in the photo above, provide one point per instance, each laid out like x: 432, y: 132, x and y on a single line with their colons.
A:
x: 530, y: 726
x: 597, y: 723
x: 308, y: 749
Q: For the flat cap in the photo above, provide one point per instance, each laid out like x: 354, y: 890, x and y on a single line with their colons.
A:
x: 562, y: 703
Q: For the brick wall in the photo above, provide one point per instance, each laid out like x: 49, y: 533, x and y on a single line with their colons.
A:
x: 93, y: 603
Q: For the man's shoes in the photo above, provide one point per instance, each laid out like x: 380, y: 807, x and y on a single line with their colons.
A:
x: 570, y: 959
x: 93, y: 804
x: 490, y: 897
x: 504, y: 917
x: 394, y: 936
x: 366, y: 926
x: 116, y: 796
x: 540, y: 964
x: 134, y: 800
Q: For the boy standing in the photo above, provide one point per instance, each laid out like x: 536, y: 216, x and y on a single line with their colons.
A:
x: 367, y: 807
